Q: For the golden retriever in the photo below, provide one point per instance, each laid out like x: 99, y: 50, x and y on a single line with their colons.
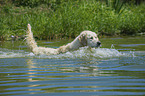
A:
x: 86, y: 38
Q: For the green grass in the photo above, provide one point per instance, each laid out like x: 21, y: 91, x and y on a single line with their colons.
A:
x: 67, y: 18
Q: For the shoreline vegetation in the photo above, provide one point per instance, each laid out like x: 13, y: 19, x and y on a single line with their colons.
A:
x: 57, y: 19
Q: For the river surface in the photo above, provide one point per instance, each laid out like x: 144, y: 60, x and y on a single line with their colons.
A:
x: 117, y: 68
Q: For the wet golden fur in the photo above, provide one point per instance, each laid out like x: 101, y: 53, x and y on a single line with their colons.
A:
x: 86, y: 38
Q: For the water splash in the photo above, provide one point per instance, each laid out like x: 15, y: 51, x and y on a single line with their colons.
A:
x: 112, y: 46
x: 5, y: 53
x: 87, y: 53
x: 82, y: 53
x: 21, y: 43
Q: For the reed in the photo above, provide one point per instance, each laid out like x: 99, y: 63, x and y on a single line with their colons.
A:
x: 116, y: 5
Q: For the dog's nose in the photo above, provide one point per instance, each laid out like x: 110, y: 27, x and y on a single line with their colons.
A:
x: 98, y: 43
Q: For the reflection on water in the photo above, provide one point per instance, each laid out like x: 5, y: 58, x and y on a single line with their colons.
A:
x: 31, y: 76
x: 83, y: 72
x: 61, y: 77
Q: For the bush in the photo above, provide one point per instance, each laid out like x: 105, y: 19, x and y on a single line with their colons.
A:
x: 69, y: 18
x: 132, y: 20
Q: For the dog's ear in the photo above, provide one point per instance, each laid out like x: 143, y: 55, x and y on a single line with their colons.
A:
x: 83, y: 39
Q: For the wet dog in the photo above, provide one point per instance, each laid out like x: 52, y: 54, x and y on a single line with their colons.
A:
x: 86, y: 38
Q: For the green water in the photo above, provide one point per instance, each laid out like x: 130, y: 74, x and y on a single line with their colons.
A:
x: 117, y: 68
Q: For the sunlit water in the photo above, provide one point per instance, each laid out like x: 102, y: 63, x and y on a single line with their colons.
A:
x: 117, y: 68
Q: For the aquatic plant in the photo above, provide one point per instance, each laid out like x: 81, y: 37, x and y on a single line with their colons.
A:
x: 116, y: 5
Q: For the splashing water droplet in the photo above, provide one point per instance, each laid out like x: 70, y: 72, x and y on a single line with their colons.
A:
x: 112, y: 46
x: 21, y: 43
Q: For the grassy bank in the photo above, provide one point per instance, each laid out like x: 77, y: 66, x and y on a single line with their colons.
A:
x: 66, y: 19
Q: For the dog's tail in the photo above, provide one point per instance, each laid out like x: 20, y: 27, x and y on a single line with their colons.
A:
x: 29, y: 39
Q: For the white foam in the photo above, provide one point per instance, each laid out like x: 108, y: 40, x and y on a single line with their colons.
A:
x: 87, y: 53
x: 5, y: 53
x: 82, y: 53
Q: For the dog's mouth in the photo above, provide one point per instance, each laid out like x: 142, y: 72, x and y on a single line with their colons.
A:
x: 98, y: 44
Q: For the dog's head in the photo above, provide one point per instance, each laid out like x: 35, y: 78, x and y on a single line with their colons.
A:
x: 89, y: 38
